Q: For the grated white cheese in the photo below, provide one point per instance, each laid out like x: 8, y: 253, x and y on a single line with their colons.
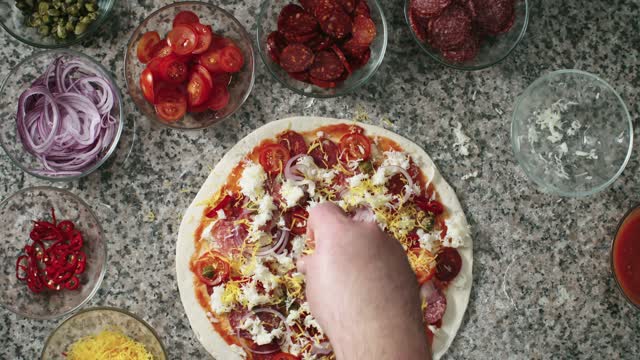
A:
x: 238, y: 350
x: 462, y: 141
x: 457, y: 233
x: 297, y: 246
x: 563, y: 149
x: 216, y: 303
x: 221, y: 215
x: 310, y: 322
x: 470, y: 175
x: 591, y: 155
x: 251, y: 296
x: 428, y: 241
x: 396, y: 158
x: 262, y: 274
x: 357, y: 179
x: 259, y: 334
x: 252, y: 181
x: 291, y: 193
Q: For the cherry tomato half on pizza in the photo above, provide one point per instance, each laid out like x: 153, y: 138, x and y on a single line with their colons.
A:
x: 212, y: 268
x: 194, y: 61
x: 273, y: 158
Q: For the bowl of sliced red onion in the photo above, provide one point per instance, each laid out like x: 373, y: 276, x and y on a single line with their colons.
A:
x: 62, y: 115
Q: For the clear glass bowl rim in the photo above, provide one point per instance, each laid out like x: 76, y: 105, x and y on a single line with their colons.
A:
x: 66, y: 43
x: 463, y: 67
x: 515, y: 126
x: 613, y: 242
x: 244, y: 34
x: 121, y: 119
x: 104, y: 308
x: 98, y: 283
x: 345, y: 91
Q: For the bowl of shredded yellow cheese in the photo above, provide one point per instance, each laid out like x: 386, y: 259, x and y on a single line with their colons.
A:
x: 104, y: 334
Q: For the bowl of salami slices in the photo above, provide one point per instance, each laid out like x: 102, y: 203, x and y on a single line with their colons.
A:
x: 322, y: 48
x: 467, y: 34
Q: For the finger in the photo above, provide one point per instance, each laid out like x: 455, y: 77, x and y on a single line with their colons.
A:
x: 302, y: 265
x: 323, y: 215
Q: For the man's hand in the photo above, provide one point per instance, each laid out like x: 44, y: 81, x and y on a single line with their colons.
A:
x: 361, y: 289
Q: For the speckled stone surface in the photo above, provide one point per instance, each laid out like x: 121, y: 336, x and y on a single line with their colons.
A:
x: 542, y: 287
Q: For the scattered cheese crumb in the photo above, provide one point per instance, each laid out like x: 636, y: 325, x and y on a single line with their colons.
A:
x: 462, y: 141
x: 258, y: 332
x: 591, y: 155
x: 252, y: 180
x: 470, y: 175
x: 238, y: 350
x: 291, y: 193
x: 218, y: 306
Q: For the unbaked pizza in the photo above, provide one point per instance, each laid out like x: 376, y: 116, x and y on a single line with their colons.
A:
x: 241, y: 237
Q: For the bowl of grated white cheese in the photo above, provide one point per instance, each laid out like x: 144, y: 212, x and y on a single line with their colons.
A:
x: 571, y: 133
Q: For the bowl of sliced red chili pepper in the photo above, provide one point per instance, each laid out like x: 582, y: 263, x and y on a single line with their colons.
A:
x: 322, y: 48
x: 189, y: 65
x: 54, y: 252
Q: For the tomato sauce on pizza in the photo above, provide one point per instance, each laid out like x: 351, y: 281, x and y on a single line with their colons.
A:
x: 254, y: 229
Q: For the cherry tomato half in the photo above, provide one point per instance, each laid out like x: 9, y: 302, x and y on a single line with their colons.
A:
x: 219, y: 97
x: 325, y: 154
x: 198, y: 89
x: 430, y: 206
x: 173, y: 69
x: 212, y: 60
x: 273, y: 158
x: 231, y: 59
x: 182, y: 39
x: 221, y: 78
x: 205, y: 36
x: 185, y: 17
x: 171, y: 104
x: 202, y: 71
x: 294, y: 142
x: 355, y: 146
x: 146, y: 84
x: 162, y: 49
x: 448, y: 264
x: 212, y: 268
x: 219, y: 42
x: 146, y: 45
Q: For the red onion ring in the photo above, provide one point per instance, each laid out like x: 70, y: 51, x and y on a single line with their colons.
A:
x: 65, y: 119
x: 256, y: 312
x: 278, y: 245
x: 290, y: 168
x: 398, y: 170
x: 364, y: 214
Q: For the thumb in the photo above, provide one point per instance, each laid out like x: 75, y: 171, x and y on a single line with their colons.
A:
x: 302, y: 264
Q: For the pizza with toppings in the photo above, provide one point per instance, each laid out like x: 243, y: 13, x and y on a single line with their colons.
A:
x: 240, y: 238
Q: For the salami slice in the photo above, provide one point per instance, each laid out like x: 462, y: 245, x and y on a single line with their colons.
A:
x: 362, y: 9
x: 334, y: 21
x: 348, y: 5
x: 323, y: 84
x: 451, y: 29
x: 287, y: 12
x: 436, y: 303
x: 300, y: 76
x: 308, y: 5
x: 357, y: 63
x: 228, y: 237
x: 275, y: 44
x: 494, y: 16
x: 466, y: 52
x: 296, y: 58
x: 342, y: 58
x: 429, y: 8
x: 353, y: 49
x: 364, y: 30
x: 299, y: 23
x: 327, y: 66
x: 320, y: 43
x: 293, y: 38
x: 417, y: 27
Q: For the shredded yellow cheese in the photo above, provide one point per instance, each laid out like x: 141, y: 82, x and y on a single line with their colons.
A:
x: 108, y: 345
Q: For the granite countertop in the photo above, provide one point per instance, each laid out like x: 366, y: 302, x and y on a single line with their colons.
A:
x: 542, y: 286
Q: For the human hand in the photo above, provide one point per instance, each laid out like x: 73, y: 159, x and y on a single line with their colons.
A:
x: 361, y: 289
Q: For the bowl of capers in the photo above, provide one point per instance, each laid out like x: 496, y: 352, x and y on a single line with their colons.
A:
x: 53, y: 23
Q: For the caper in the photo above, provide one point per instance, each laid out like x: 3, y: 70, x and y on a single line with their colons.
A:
x: 43, y: 7
x: 80, y: 28
x: 90, y: 7
x: 44, y: 30
x: 61, y: 32
x: 54, y: 12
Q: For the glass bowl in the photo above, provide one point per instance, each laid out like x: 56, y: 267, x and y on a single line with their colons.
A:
x: 571, y: 133
x: 91, y: 322
x: 632, y: 213
x: 12, y: 21
x: 223, y: 23
x: 17, y: 214
x: 20, y: 79
x: 267, y: 22
x: 493, y: 49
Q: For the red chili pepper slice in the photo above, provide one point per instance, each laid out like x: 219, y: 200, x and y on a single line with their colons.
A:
x: 75, y: 240
x: 221, y: 205
x: 66, y: 226
x: 73, y: 283
x: 21, y: 269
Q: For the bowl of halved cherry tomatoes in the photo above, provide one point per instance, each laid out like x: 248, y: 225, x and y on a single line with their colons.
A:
x: 189, y: 65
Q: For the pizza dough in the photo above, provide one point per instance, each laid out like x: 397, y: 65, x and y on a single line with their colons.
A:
x: 457, y: 293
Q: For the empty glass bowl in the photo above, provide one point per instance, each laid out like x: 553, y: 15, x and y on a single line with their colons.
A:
x: 493, y: 49
x: 17, y: 214
x: 93, y: 321
x: 224, y: 24
x: 20, y: 79
x: 571, y: 133
x: 13, y: 22
x: 268, y: 22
